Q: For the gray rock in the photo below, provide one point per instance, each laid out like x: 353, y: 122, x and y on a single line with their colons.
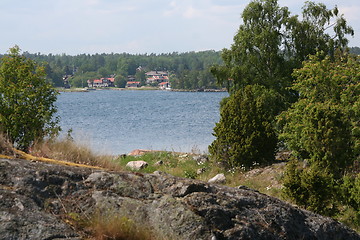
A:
x: 200, y: 171
x: 201, y: 159
x: 36, y: 197
x: 159, y: 163
x: 137, y: 165
x: 218, y: 179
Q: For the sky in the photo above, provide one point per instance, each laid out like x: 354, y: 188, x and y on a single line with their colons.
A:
x: 137, y: 27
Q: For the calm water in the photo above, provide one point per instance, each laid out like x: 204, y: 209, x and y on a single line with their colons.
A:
x: 117, y: 122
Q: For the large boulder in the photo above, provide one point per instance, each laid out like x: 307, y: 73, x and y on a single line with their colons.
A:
x: 35, y: 197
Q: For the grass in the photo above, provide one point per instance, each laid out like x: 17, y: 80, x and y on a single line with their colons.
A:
x: 109, y: 226
x: 265, y: 180
x: 68, y: 150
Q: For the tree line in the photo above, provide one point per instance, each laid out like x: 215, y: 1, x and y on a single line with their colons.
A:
x: 190, y: 70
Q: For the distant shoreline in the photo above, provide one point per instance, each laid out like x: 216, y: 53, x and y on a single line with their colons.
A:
x: 137, y: 89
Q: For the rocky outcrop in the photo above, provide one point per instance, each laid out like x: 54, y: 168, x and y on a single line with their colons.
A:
x: 35, y: 197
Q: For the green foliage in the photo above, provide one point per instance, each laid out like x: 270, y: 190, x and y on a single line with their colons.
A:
x: 271, y: 43
x: 245, y: 135
x: 190, y: 174
x: 268, y: 46
x: 84, y: 67
x: 80, y: 81
x: 323, y: 125
x: 350, y: 194
x: 26, y: 100
x: 319, y: 133
x: 313, y: 188
x: 322, y: 128
x: 120, y: 81
x: 337, y: 82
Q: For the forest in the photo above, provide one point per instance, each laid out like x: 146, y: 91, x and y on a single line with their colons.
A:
x: 188, y: 70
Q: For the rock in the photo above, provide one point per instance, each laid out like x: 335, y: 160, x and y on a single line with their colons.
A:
x: 219, y: 178
x: 201, y: 159
x: 136, y: 165
x: 140, y: 152
x: 159, y: 163
x: 37, y: 199
x: 200, y: 171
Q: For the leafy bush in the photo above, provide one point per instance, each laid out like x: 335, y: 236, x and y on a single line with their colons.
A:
x: 245, y: 134
x: 350, y: 194
x: 322, y: 128
x: 26, y: 101
x: 312, y: 188
x: 319, y: 133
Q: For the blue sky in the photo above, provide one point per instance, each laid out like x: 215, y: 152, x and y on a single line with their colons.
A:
x: 152, y: 26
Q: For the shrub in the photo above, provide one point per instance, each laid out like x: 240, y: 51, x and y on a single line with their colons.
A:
x: 313, y: 188
x: 245, y: 133
x: 26, y: 101
x: 350, y: 194
x: 319, y: 133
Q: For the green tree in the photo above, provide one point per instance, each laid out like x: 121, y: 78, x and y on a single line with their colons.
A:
x: 271, y: 43
x: 323, y: 129
x: 244, y: 134
x: 141, y: 77
x: 319, y: 133
x: 329, y: 102
x: 120, y: 81
x: 268, y: 46
x: 26, y: 100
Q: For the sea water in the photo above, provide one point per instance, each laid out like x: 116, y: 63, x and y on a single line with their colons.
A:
x: 117, y: 122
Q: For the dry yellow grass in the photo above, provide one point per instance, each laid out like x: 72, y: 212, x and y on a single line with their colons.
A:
x: 70, y: 151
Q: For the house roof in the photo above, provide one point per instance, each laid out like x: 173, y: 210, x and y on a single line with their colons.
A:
x: 111, y: 79
x: 133, y: 82
x: 163, y: 83
x: 101, y: 80
x: 156, y: 73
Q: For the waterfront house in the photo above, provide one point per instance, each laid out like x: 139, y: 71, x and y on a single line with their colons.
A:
x: 102, y: 82
x: 164, y: 85
x: 130, y: 84
x: 156, y: 77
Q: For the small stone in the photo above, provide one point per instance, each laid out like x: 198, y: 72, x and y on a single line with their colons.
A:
x: 200, y: 159
x: 159, y: 163
x: 137, y: 165
x: 219, y: 178
x: 200, y: 171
